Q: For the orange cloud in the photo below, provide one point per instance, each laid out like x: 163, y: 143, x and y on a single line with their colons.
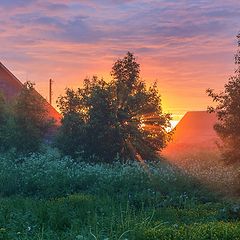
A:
x: 186, y: 46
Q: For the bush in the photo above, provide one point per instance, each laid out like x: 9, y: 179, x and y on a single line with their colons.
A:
x: 49, y: 174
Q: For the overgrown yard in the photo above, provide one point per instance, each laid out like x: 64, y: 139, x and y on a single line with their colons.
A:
x: 46, y: 196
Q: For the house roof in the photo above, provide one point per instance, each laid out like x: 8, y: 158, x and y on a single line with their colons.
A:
x: 194, y: 132
x: 10, y: 86
x: 195, y: 127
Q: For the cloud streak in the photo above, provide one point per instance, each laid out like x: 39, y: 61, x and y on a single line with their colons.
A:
x: 186, y: 45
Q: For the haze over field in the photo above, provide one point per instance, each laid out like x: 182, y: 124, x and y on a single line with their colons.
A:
x: 187, y: 46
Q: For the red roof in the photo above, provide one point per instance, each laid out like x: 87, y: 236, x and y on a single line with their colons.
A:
x: 196, y: 127
x: 10, y: 86
x: 193, y: 133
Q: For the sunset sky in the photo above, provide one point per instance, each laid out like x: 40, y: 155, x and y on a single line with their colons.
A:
x: 186, y: 45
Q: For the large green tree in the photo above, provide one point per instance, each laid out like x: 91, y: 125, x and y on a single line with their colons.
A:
x: 118, y: 118
x: 228, y: 112
x: 138, y: 110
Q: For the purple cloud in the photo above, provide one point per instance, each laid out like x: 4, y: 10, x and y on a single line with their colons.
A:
x: 72, y: 39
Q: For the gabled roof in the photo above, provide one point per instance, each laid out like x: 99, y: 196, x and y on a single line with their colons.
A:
x: 196, y: 127
x: 10, y: 86
x: 193, y: 133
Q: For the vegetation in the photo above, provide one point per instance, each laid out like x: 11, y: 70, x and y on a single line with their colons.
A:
x: 46, y: 196
x: 124, y: 113
x: 228, y: 113
x: 24, y: 122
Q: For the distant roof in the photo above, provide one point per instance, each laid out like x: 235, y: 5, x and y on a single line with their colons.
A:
x: 10, y: 86
x: 193, y: 133
x: 195, y: 126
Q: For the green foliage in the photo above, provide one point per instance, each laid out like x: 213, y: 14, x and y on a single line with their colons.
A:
x: 46, y: 196
x: 7, y: 125
x: 2, y: 118
x: 24, y: 121
x: 31, y: 118
x: 2, y: 108
x: 228, y: 113
x: 30, y: 176
x: 83, y: 216
x: 122, y: 118
x: 213, y: 231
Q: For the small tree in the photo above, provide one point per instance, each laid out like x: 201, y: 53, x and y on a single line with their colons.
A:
x: 24, y: 121
x: 2, y: 109
x: 31, y: 117
x: 8, y: 127
x: 120, y: 118
x: 2, y: 120
x: 228, y: 113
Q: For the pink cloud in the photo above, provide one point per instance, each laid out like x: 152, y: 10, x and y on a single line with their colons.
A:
x: 187, y: 46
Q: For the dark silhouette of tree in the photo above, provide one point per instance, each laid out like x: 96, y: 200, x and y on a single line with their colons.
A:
x: 2, y: 120
x: 8, y: 128
x: 2, y: 108
x: 25, y: 121
x: 121, y: 118
x: 139, y: 112
x: 228, y: 113
x: 32, y: 119
x: 71, y: 136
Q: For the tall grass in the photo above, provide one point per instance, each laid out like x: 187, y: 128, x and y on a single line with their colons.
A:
x: 48, y: 196
x: 209, y: 168
x: 51, y: 175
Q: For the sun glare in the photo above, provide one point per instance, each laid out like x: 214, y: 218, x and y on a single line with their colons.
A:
x: 174, y: 123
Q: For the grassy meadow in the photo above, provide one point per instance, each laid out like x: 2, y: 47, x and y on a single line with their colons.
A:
x: 48, y: 196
